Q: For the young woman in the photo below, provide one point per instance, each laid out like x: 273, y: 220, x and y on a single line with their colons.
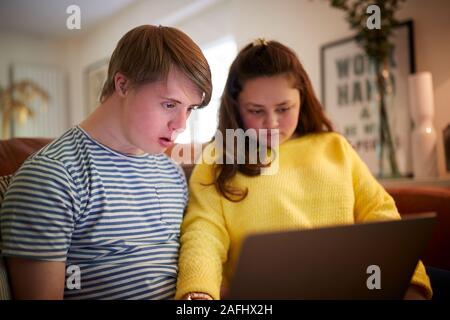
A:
x: 320, y: 180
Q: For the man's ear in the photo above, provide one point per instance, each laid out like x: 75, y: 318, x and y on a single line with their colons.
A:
x: 121, y: 84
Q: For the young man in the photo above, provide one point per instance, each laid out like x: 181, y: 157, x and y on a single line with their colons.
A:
x: 96, y: 214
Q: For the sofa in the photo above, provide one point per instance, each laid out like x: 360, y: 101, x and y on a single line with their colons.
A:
x: 409, y: 200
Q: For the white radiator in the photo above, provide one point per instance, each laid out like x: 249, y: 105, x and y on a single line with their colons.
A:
x: 52, y: 121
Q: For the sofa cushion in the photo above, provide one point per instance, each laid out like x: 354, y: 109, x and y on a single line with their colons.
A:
x: 5, y: 292
x: 13, y: 152
x: 413, y: 200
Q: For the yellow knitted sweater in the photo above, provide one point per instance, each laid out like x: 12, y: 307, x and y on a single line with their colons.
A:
x: 321, y: 181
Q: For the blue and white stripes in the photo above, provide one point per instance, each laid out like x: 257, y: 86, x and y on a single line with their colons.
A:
x: 116, y: 217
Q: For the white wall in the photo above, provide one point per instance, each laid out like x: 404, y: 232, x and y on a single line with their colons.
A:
x: 16, y: 49
x: 212, y: 24
x: 432, y: 47
x: 302, y: 25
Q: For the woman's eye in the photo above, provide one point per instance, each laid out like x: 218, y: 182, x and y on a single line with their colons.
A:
x: 168, y: 105
x: 281, y: 110
x: 255, y: 111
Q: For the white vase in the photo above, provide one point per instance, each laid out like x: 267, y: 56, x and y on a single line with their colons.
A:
x: 421, y: 101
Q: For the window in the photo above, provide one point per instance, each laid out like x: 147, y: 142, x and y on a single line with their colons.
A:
x: 202, y: 123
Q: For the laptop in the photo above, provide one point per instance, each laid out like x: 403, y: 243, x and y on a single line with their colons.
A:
x: 373, y: 260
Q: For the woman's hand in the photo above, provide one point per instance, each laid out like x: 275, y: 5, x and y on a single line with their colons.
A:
x: 223, y: 292
x: 197, y: 296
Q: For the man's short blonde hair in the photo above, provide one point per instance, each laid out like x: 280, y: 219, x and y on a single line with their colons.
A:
x: 146, y: 54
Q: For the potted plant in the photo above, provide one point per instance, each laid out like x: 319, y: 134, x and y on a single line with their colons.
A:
x: 15, y: 102
x: 377, y: 45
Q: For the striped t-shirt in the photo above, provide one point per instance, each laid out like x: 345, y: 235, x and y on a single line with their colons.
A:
x: 113, y: 217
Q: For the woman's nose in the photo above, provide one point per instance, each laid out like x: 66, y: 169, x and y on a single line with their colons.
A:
x: 271, y: 121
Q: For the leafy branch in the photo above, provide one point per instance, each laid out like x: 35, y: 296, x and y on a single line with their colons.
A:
x: 375, y: 42
x: 377, y: 45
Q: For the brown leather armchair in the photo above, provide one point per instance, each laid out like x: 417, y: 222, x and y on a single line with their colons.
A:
x: 413, y: 200
x: 13, y: 152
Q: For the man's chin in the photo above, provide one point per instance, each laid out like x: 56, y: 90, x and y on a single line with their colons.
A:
x: 154, y: 150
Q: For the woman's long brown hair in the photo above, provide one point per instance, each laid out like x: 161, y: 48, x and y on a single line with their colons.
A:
x: 263, y: 59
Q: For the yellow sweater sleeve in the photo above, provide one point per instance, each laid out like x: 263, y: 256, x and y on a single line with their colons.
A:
x: 204, y: 241
x: 372, y: 203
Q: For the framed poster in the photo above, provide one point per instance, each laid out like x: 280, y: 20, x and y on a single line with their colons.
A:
x: 95, y: 77
x: 349, y: 95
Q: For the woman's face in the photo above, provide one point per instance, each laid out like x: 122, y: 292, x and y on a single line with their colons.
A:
x: 270, y: 103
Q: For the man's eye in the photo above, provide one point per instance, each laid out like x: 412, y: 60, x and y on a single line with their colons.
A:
x: 193, y: 108
x: 168, y: 105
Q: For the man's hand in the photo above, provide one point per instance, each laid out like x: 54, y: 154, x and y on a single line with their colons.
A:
x: 36, y: 280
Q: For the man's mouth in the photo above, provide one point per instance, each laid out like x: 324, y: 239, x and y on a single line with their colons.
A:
x: 165, y: 142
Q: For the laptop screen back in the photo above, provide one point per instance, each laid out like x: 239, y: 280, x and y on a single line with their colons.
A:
x: 373, y: 260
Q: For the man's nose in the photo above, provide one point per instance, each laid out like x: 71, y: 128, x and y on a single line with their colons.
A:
x: 178, y: 122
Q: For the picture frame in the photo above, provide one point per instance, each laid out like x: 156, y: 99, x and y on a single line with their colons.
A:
x: 95, y: 77
x: 446, y: 139
x: 348, y: 94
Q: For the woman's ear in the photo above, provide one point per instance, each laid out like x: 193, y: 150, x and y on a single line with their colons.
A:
x: 121, y: 84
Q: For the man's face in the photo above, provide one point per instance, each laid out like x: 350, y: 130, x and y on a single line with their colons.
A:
x: 155, y: 113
